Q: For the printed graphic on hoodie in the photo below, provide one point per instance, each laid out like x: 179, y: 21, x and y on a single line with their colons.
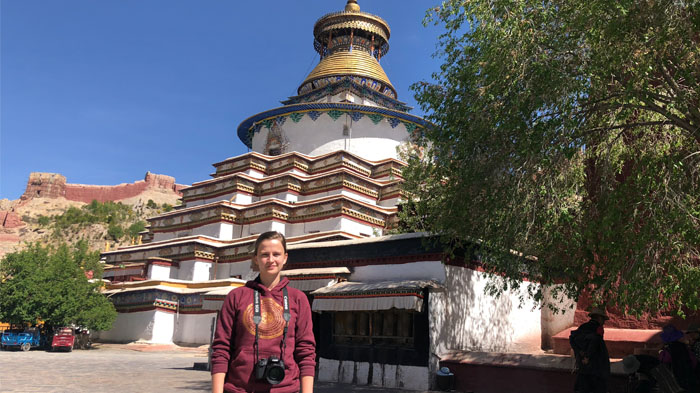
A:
x: 272, y: 324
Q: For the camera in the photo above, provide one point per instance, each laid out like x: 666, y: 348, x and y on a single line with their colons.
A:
x: 270, y: 369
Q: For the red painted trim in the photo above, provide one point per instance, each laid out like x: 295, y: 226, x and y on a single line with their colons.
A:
x: 195, y: 312
x: 302, y: 278
x: 164, y: 263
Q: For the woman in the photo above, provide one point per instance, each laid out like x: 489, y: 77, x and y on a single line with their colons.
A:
x: 676, y: 355
x: 273, y: 349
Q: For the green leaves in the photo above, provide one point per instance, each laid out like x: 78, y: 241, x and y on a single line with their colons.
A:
x: 568, y: 131
x: 41, y: 283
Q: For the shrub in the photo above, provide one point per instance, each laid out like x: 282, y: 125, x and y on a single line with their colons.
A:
x: 135, y: 228
x: 115, y: 231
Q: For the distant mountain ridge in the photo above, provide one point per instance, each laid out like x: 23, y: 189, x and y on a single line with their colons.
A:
x: 53, y: 185
x: 49, y: 194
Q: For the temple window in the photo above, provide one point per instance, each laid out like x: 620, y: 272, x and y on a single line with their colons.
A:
x: 386, y: 328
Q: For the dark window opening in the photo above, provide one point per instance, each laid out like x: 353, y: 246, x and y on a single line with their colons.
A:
x: 275, y: 151
x: 385, y: 328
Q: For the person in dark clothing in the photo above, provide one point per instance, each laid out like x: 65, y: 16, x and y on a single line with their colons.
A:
x: 677, y: 355
x: 693, y: 335
x: 640, y: 367
x: 592, y: 359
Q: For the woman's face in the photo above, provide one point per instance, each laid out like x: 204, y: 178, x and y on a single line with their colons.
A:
x: 270, y: 257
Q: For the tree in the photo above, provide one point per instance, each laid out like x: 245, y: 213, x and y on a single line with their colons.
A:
x: 136, y: 228
x: 568, y: 131
x: 115, y: 231
x: 42, y: 283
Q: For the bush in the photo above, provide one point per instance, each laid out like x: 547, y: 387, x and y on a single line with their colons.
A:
x: 151, y: 205
x: 115, y: 231
x: 44, y: 221
x: 135, y: 228
x: 167, y: 207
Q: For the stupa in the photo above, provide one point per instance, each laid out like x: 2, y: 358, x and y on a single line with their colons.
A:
x: 324, y: 170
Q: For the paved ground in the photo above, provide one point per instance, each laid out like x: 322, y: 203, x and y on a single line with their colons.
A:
x: 118, y: 368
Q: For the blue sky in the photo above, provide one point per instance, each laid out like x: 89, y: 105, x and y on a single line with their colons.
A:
x: 103, y: 91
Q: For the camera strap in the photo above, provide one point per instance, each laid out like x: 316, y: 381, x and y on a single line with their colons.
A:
x: 257, y: 318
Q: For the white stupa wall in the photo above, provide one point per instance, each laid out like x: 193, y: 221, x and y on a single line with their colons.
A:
x: 239, y: 198
x: 287, y: 197
x: 228, y: 231
x: 235, y: 269
x: 194, y: 270
x: 390, y: 202
x: 219, y: 230
x: 368, y: 140
x: 158, y: 272
x: 193, y: 328
x: 153, y: 326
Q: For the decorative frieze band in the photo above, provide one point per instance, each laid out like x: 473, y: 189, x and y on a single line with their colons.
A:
x: 204, y: 255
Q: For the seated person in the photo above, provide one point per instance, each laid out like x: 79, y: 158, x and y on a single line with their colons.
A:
x: 640, y: 367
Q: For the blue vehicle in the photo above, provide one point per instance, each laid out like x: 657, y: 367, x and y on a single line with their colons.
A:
x: 23, y: 339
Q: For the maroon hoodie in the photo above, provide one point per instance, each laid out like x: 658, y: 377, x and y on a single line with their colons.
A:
x: 232, y: 347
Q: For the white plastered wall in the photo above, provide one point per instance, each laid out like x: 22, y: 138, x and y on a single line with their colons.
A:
x: 157, y: 272
x: 211, y: 230
x: 193, y: 328
x: 193, y: 270
x: 163, y: 326
x: 464, y: 317
x: 153, y: 326
x: 325, y: 135
x: 201, y: 271
x: 242, y: 269
x: 554, y: 322
x: 131, y: 326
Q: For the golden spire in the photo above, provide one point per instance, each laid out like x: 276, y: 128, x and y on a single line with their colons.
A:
x: 350, y: 44
x: 352, y: 6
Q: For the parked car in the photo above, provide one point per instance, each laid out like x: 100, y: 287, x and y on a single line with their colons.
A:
x: 63, y: 338
x: 24, y: 339
x: 68, y: 338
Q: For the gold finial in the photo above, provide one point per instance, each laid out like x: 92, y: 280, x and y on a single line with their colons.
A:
x: 352, y: 6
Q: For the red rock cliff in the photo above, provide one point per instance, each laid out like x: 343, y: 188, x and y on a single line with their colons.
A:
x: 53, y: 185
x: 10, y: 220
x: 45, y: 185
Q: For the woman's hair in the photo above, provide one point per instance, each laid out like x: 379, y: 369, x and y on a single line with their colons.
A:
x: 271, y: 235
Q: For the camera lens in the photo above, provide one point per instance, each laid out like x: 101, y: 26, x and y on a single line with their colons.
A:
x: 275, y: 374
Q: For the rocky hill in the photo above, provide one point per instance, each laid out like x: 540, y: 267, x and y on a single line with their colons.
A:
x: 52, y: 211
